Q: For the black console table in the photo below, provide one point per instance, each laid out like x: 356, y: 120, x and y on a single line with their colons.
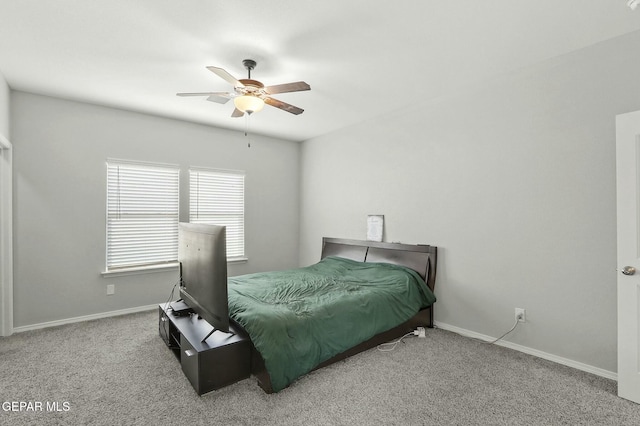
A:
x: 217, y: 362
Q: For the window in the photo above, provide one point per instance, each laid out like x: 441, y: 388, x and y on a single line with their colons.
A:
x: 142, y: 214
x: 217, y: 197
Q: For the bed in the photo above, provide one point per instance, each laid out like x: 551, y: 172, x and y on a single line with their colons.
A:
x: 360, y: 294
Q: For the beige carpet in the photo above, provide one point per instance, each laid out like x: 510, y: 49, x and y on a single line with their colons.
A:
x: 117, y: 371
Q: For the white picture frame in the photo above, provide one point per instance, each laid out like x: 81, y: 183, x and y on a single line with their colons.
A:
x: 375, y: 227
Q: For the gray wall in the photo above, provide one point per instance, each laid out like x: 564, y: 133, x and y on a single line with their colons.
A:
x: 514, y: 181
x: 60, y: 149
x: 4, y: 107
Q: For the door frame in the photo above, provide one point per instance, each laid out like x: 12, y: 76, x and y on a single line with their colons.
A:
x: 6, y: 237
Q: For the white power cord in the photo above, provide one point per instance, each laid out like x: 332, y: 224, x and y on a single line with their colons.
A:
x: 421, y: 333
x: 518, y: 318
x: 389, y: 346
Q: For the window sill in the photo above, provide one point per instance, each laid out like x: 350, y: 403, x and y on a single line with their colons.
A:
x: 121, y: 272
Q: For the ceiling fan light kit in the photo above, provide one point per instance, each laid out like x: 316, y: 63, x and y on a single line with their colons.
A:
x: 248, y: 103
x: 250, y: 95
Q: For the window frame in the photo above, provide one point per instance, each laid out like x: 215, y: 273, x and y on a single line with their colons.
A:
x: 167, y: 245
x: 236, y: 237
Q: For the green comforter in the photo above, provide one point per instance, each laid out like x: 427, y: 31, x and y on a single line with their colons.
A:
x: 301, y: 317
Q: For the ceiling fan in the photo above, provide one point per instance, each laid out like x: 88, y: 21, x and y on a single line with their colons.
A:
x: 249, y: 95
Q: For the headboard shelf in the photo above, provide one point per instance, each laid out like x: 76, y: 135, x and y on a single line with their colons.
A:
x: 420, y: 258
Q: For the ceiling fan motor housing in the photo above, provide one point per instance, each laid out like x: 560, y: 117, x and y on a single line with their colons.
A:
x: 247, y: 82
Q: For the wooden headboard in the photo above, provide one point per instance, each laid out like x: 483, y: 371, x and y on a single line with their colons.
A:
x: 420, y: 258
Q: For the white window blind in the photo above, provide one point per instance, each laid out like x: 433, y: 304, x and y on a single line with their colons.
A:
x: 142, y: 214
x: 217, y: 197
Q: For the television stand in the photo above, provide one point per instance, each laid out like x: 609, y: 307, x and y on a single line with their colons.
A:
x: 212, y: 363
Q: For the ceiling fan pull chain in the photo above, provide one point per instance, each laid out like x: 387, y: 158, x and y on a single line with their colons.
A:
x: 246, y: 130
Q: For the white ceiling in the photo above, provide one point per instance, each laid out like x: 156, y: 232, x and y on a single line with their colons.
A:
x: 362, y: 58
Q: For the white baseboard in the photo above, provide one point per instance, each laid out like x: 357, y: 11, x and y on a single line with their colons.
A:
x: 85, y: 318
x: 540, y: 354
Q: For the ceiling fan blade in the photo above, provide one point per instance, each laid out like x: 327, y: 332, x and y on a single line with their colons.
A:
x: 218, y: 97
x: 283, y: 106
x: 298, y: 86
x: 225, y: 76
x: 237, y: 113
x: 199, y: 94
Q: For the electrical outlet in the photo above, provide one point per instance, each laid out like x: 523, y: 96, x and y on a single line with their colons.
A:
x: 111, y: 289
x: 521, y: 315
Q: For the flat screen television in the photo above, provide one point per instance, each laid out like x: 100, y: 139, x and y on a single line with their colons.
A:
x: 202, y: 253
